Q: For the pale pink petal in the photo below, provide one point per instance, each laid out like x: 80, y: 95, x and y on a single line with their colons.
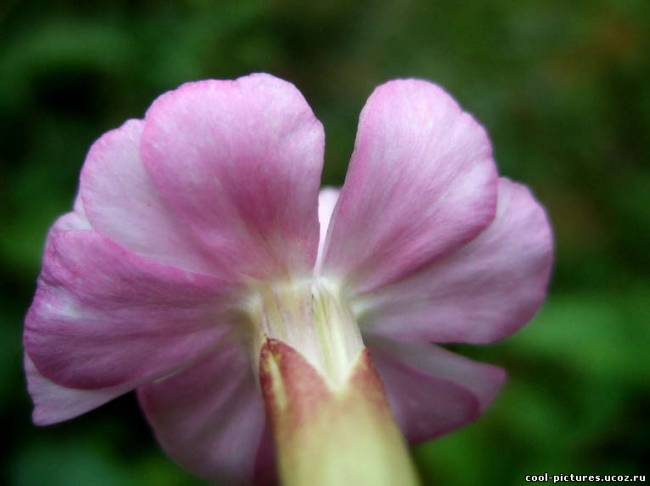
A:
x: 121, y: 201
x: 326, y: 203
x: 421, y: 182
x: 81, y: 212
x: 210, y: 417
x: 482, y: 293
x: 240, y: 163
x: 73, y: 221
x: 54, y: 403
x: 104, y: 317
x: 433, y: 391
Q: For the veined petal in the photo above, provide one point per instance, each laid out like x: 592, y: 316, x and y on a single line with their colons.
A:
x: 483, y: 292
x: 104, y: 317
x: 74, y: 220
x: 433, y: 391
x: 240, y: 162
x: 421, y: 182
x: 326, y: 202
x: 210, y: 417
x: 78, y: 207
x: 121, y: 202
x: 54, y: 403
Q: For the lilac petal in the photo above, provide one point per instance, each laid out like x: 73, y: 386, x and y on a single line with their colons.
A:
x: 239, y: 162
x: 78, y: 208
x: 104, y: 317
x: 421, y: 182
x: 121, y: 202
x: 483, y: 292
x: 430, y: 390
x: 54, y: 403
x: 326, y: 203
x: 210, y: 417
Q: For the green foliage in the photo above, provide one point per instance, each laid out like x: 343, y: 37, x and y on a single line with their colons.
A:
x: 561, y: 86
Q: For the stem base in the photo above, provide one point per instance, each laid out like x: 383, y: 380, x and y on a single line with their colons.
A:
x: 328, y: 437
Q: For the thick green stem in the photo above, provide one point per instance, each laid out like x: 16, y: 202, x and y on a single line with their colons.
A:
x: 331, y: 436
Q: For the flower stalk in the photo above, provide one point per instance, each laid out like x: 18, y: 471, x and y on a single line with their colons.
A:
x: 327, y: 436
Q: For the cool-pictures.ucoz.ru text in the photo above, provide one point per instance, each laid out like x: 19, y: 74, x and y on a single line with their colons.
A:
x: 585, y: 478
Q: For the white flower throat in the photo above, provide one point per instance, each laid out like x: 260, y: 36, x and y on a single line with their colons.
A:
x: 313, y: 317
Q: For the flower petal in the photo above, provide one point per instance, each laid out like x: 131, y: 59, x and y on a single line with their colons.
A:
x: 240, y: 163
x: 326, y: 202
x: 105, y: 317
x: 210, y: 417
x: 54, y: 403
x: 421, y: 182
x: 433, y: 391
x: 483, y: 292
x: 121, y: 201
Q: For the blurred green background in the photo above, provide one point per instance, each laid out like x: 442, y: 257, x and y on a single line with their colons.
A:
x: 563, y: 88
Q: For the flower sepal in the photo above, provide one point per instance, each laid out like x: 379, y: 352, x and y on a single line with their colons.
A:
x: 331, y: 436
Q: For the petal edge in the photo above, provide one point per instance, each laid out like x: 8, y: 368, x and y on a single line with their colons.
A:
x: 420, y: 183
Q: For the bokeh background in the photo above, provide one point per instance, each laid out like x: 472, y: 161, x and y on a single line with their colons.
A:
x: 563, y: 88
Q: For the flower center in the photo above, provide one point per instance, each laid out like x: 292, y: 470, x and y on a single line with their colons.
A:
x: 313, y: 317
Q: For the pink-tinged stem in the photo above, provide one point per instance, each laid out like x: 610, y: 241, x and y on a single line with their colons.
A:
x: 325, y: 436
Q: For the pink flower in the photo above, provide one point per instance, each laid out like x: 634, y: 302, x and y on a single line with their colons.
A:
x: 196, y: 236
